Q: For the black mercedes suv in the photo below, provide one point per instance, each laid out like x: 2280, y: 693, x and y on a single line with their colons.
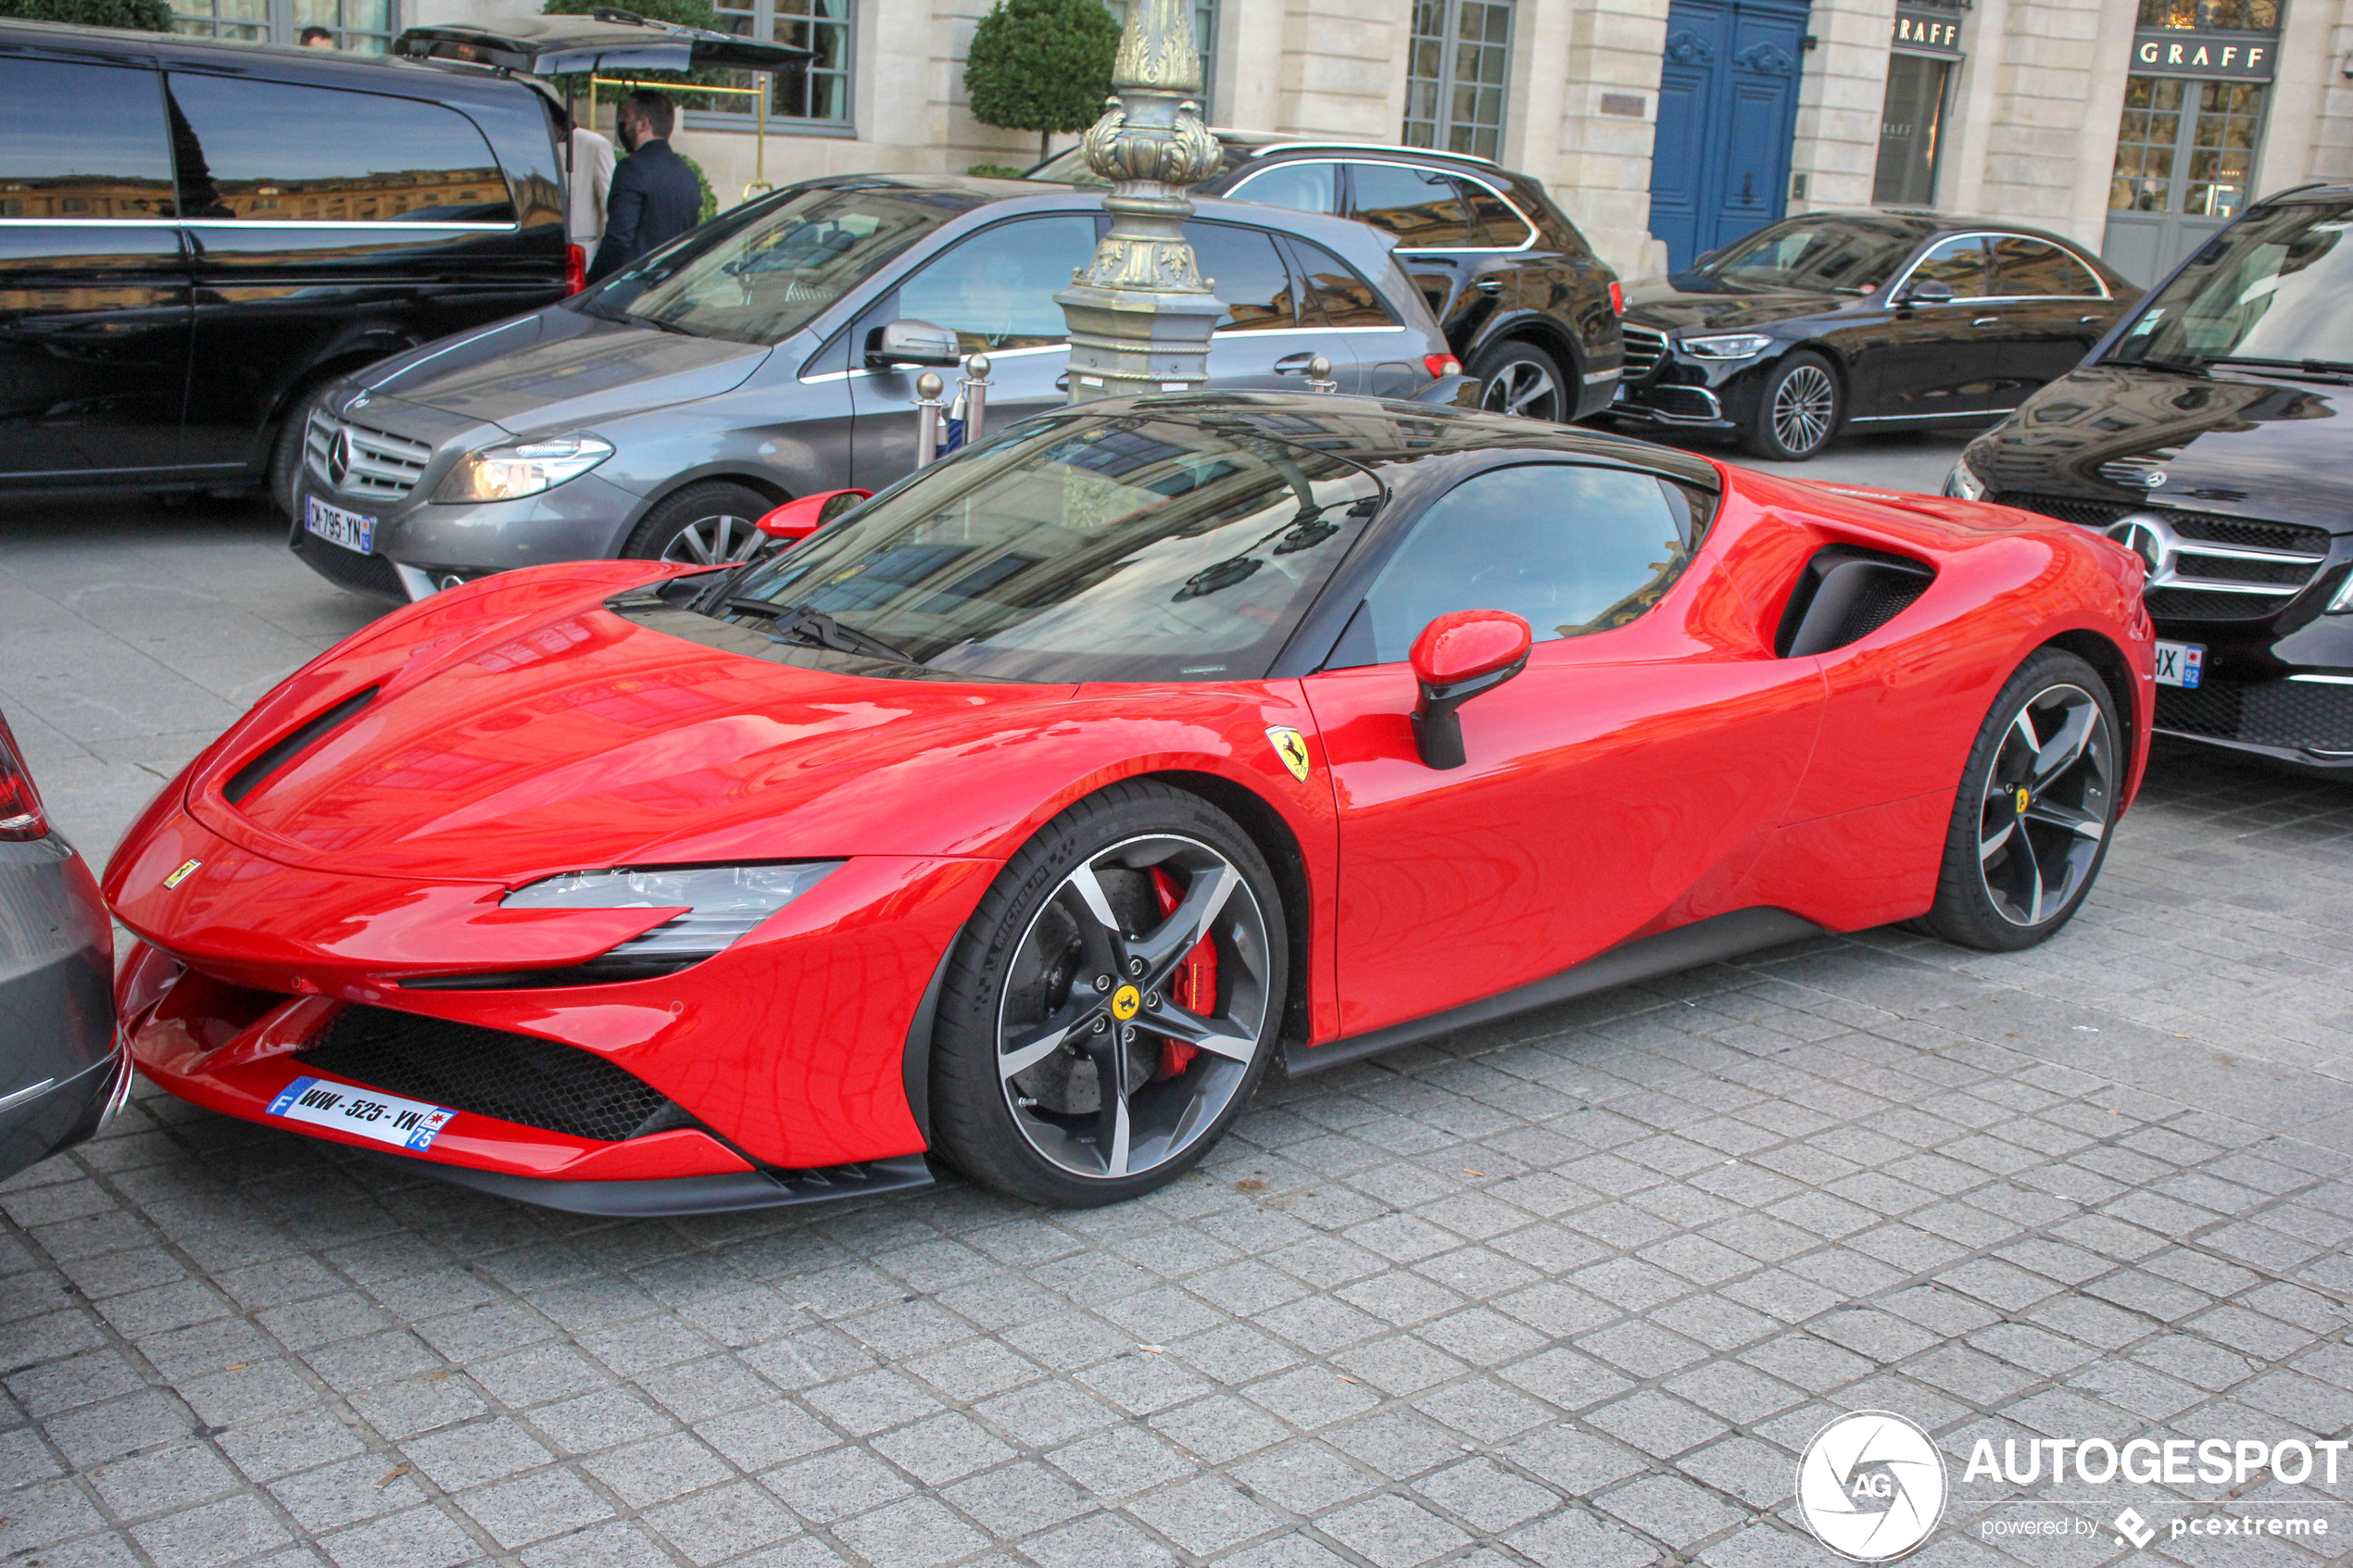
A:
x: 1526, y: 304
x: 2204, y: 433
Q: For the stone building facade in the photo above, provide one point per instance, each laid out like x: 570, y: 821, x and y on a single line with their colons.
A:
x: 1664, y: 127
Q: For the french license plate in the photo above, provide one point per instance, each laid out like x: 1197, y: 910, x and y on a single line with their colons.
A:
x: 370, y: 1113
x: 2180, y: 664
x: 337, y: 526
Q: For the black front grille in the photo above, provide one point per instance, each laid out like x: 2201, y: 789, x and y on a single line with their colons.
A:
x: 2238, y: 569
x: 2308, y: 715
x: 350, y: 569
x: 2200, y: 603
x: 2243, y: 534
x: 1639, y: 350
x: 512, y: 1077
x: 2067, y: 508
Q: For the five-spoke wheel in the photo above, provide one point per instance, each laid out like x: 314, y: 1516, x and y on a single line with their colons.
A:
x: 1114, y: 1002
x: 1519, y: 377
x: 2037, y: 800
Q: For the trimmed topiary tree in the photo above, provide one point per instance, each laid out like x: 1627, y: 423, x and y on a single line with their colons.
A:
x: 1042, y: 66
x: 144, y: 16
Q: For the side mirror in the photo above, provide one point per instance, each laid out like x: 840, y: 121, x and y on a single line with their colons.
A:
x: 909, y: 341
x: 796, y: 521
x: 1925, y: 291
x: 1456, y: 658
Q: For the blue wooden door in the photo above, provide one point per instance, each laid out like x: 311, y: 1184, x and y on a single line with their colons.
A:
x: 1727, y: 110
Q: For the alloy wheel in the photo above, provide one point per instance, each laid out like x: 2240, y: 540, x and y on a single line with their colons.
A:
x: 714, y: 540
x: 1136, y: 1004
x: 2048, y: 800
x: 1803, y: 406
x: 1524, y: 388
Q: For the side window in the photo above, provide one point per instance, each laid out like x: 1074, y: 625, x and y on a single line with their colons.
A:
x: 1249, y: 273
x: 1961, y: 264
x: 996, y: 289
x: 1493, y: 222
x: 2036, y: 267
x: 1571, y: 550
x: 1420, y: 207
x: 1335, y: 294
x: 1302, y: 187
x: 273, y: 152
x: 81, y: 141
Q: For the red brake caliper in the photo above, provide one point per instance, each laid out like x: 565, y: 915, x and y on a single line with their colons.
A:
x: 1193, y: 984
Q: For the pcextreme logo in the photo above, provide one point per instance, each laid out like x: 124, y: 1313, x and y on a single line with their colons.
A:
x: 1871, y: 1486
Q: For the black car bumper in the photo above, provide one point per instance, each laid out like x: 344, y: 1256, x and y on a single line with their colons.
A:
x: 62, y: 1067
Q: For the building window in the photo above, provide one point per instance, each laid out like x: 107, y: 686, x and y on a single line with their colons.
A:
x: 362, y: 27
x: 1205, y: 39
x: 821, y: 96
x: 1456, y: 67
x: 2228, y: 15
x: 1911, y: 127
x: 2185, y: 146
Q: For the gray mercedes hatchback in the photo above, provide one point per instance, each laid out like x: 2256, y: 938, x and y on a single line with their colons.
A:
x: 659, y: 414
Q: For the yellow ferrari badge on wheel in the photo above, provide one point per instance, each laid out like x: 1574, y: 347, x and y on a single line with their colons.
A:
x: 1291, y: 746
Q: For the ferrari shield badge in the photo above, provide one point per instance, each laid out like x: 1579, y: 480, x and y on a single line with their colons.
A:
x: 187, y: 869
x: 1291, y: 746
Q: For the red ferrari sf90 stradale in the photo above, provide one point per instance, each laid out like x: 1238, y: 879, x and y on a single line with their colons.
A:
x: 1031, y: 811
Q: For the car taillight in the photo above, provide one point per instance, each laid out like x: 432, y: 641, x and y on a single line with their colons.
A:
x: 1616, y: 297
x: 576, y: 271
x: 21, y: 813
x: 1442, y: 364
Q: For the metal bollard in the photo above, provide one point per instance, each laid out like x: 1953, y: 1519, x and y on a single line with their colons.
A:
x: 927, y: 388
x: 976, y: 390
x: 1319, y: 375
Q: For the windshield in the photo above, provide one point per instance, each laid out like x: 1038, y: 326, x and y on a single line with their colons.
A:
x: 2277, y: 286
x: 1120, y: 547
x: 1841, y: 254
x: 766, y: 280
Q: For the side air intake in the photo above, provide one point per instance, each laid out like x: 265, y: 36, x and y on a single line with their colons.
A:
x: 246, y: 780
x: 1845, y: 594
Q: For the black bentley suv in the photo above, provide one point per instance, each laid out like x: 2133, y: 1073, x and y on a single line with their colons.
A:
x: 2204, y: 434
x: 1879, y: 321
x: 1526, y: 304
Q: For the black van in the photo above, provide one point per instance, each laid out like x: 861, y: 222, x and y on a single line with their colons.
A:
x: 194, y: 235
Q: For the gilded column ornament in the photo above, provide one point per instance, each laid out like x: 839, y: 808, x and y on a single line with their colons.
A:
x: 1140, y: 313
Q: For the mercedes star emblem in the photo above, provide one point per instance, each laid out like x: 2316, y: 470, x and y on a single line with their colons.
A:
x: 339, y: 459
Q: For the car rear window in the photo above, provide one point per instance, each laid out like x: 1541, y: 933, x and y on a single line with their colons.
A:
x: 276, y: 152
x: 82, y: 142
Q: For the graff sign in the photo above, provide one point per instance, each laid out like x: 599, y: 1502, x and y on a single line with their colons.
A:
x: 1921, y: 30
x: 2170, y: 52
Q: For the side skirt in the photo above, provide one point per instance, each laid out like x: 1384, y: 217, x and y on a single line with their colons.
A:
x: 1703, y: 941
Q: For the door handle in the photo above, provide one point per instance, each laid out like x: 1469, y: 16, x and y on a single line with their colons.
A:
x: 1293, y: 364
x: 1987, y: 322
x: 2087, y: 320
x: 1490, y: 286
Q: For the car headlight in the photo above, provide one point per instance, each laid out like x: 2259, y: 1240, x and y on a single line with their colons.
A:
x: 1734, y: 345
x: 718, y: 904
x: 1962, y: 484
x: 522, y: 467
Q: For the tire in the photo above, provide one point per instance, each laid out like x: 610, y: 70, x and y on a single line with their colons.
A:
x: 702, y: 525
x: 1018, y: 997
x: 1798, y: 409
x: 285, y: 452
x: 1519, y: 377
x: 2037, y: 802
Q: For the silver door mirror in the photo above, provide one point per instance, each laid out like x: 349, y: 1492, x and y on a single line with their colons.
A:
x: 911, y: 341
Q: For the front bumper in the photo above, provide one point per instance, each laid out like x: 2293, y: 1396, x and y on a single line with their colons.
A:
x: 421, y: 545
x: 774, y: 1072
x: 1678, y: 392
x: 62, y: 1070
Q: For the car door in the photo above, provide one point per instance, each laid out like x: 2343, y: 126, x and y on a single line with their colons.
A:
x: 1931, y: 359
x: 1645, y: 753
x: 995, y: 290
x: 1263, y: 342
x: 93, y: 288
x: 1372, y: 350
x: 2054, y: 310
x: 1427, y: 213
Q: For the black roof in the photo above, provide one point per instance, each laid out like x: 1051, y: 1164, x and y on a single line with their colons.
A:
x: 553, y: 45
x: 287, y: 62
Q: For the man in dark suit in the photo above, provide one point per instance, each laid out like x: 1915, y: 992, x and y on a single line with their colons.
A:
x: 655, y: 197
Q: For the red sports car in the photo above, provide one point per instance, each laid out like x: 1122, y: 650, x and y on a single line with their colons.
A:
x: 1029, y: 812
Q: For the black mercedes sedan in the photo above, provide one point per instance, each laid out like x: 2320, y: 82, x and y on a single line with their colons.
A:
x: 2205, y: 435
x: 1865, y: 320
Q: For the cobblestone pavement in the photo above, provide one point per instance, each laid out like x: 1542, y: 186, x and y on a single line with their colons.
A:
x: 1572, y: 1290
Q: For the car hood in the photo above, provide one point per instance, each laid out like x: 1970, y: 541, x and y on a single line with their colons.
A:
x: 560, y: 369
x: 1689, y: 300
x: 531, y: 730
x: 2245, y: 445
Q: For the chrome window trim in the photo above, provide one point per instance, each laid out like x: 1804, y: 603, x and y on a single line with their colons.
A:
x: 1999, y: 298
x: 995, y: 356
x: 1367, y: 147
x: 257, y: 224
x: 1482, y: 183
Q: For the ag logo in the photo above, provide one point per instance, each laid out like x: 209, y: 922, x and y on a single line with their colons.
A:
x: 1291, y: 746
x: 1871, y: 1486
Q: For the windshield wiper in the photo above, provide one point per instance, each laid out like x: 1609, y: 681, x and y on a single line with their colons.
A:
x: 663, y: 323
x: 803, y: 625
x: 2331, y: 370
x: 2179, y: 367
